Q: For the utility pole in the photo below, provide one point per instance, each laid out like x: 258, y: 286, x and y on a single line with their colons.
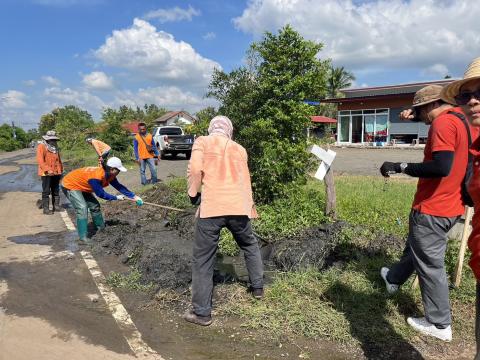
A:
x: 13, y: 128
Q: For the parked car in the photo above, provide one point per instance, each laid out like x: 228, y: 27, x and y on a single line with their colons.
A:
x: 172, y: 140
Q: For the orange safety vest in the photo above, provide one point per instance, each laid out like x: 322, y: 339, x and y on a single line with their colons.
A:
x: 143, y: 153
x: 78, y: 179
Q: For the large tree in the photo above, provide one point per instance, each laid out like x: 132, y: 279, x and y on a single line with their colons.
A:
x: 265, y: 101
x: 71, y: 123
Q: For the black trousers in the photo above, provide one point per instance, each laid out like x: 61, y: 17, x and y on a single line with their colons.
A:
x: 207, y: 233
x: 50, y: 185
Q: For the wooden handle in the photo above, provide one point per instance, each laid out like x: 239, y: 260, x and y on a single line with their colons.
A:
x: 463, y: 246
x: 161, y: 206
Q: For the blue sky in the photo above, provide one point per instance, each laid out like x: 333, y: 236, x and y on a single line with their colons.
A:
x: 98, y: 53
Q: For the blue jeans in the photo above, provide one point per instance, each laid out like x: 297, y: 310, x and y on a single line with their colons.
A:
x: 153, y: 170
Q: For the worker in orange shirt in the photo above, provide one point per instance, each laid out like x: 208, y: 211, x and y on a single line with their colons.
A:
x: 145, y: 153
x: 79, y: 185
x: 102, y: 149
x: 50, y: 169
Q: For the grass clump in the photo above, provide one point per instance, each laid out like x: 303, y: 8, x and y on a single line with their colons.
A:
x: 130, y: 281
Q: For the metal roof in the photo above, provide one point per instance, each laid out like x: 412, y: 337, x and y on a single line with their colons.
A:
x: 389, y: 90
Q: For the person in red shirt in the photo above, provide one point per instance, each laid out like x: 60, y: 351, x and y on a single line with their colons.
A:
x: 437, y: 206
x: 466, y: 93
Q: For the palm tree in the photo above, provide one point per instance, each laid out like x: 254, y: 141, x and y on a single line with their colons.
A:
x: 338, y: 78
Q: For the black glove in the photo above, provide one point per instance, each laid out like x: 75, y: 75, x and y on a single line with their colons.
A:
x: 195, y: 200
x: 390, y: 168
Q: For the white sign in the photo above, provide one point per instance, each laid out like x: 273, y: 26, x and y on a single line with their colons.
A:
x: 326, y: 157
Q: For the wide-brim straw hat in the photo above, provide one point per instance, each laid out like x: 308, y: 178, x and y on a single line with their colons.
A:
x: 50, y: 135
x: 453, y: 89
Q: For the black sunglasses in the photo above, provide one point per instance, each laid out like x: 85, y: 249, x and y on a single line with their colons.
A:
x: 464, y: 98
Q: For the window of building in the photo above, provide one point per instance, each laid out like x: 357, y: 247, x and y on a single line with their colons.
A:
x: 358, y: 126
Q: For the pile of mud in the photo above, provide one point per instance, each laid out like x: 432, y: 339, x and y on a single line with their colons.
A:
x: 160, y: 243
x: 144, y: 237
x: 309, y: 248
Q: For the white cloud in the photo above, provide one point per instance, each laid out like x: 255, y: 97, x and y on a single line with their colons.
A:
x: 56, y: 96
x: 155, y: 55
x: 50, y: 80
x: 377, y: 33
x: 170, y: 97
x: 98, y: 80
x: 172, y: 14
x: 437, y: 70
x: 29, y: 82
x: 209, y: 36
x: 13, y: 99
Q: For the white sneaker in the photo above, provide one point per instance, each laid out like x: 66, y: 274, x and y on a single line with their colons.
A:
x: 425, y: 327
x: 391, y: 288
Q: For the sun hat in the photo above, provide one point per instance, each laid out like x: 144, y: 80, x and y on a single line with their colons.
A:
x: 427, y: 95
x: 115, y: 162
x: 453, y: 89
x: 50, y: 135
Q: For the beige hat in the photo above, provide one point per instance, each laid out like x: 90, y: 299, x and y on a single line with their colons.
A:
x: 50, y: 135
x: 426, y: 95
x: 453, y: 89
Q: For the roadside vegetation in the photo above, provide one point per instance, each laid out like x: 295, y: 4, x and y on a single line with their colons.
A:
x: 346, y: 301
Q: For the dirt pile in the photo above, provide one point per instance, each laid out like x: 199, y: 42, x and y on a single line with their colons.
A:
x: 310, y: 248
x: 160, y: 243
x: 145, y: 238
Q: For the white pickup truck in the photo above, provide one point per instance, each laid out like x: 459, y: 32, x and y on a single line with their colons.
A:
x: 172, y: 140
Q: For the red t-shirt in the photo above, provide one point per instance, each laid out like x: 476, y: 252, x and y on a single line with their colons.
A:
x: 474, y: 191
x: 442, y: 196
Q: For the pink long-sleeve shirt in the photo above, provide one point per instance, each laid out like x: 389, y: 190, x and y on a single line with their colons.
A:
x: 218, y: 168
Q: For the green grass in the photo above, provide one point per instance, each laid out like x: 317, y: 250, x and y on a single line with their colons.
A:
x: 130, y: 281
x: 345, y: 303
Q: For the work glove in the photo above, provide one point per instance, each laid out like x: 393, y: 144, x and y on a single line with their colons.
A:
x: 195, y: 200
x: 138, y: 200
x: 120, y: 197
x: 388, y: 168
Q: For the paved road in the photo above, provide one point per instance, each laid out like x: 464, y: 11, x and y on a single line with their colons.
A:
x: 46, y: 311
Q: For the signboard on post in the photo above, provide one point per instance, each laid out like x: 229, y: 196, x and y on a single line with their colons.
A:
x: 323, y: 173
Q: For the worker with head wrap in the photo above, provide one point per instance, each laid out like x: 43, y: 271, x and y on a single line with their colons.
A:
x: 218, y: 168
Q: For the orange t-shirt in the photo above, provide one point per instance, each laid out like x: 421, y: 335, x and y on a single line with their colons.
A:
x: 142, y: 148
x: 442, y: 196
x: 78, y: 179
x: 100, y: 147
x: 48, y: 161
x: 219, y: 168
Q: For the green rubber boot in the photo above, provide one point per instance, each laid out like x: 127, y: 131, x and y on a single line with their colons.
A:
x: 98, y: 221
x: 82, y: 229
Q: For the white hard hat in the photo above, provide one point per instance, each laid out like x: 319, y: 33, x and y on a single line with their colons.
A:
x: 115, y: 162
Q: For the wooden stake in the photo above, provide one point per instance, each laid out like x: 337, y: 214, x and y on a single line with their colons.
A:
x: 463, y: 246
x: 331, y: 198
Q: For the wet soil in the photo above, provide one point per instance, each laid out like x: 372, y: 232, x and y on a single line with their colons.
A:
x: 160, y: 244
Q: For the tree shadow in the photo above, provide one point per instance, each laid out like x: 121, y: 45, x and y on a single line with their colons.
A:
x: 367, y: 308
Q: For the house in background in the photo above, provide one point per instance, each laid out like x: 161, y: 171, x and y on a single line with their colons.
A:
x: 179, y: 118
x: 370, y: 114
x: 131, y: 127
x: 322, y: 126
